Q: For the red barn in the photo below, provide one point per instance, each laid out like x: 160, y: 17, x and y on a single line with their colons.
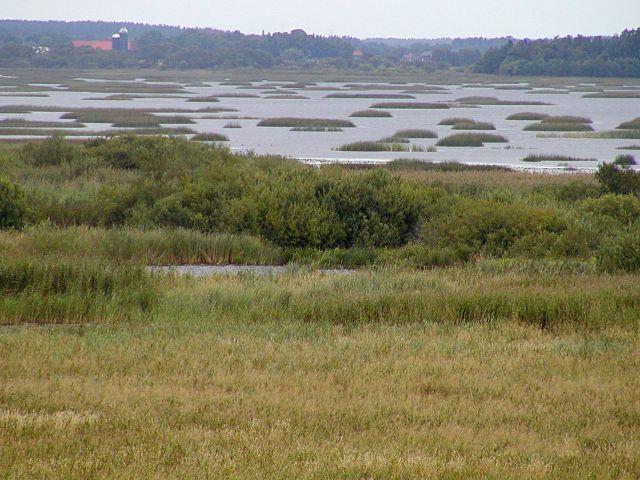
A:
x: 105, y: 45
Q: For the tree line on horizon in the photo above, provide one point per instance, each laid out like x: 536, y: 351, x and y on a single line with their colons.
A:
x: 163, y: 46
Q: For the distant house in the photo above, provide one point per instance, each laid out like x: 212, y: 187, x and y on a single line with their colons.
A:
x: 105, y: 45
x: 426, y: 57
x: 119, y: 42
x: 357, y: 55
x: 408, y: 58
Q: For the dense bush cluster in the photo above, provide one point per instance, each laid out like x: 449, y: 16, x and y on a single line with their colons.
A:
x: 371, y: 215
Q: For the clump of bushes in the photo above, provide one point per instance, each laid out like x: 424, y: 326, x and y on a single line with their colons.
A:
x: 625, y: 160
x: 618, y: 179
x: 51, y: 152
x: 470, y: 140
x: 621, y: 252
x: 13, y: 205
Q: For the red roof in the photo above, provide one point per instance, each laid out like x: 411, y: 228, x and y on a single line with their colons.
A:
x: 95, y: 44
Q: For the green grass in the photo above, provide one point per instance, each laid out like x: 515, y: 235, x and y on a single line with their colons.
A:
x: 411, y: 105
x: 418, y: 165
x: 210, y: 137
x: 558, y: 127
x: 630, y: 125
x: 371, y: 113
x: 556, y: 158
x: 470, y: 140
x: 528, y: 116
x: 293, y: 122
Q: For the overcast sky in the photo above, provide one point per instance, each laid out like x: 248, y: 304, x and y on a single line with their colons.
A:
x: 360, y: 18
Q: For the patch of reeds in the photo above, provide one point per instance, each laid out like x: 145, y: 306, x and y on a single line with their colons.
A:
x: 293, y: 122
x: 411, y: 105
x: 558, y: 127
x: 415, y: 133
x: 232, y: 125
x: 286, y: 97
x: 556, y: 158
x: 24, y: 123
x: 630, y: 125
x: 566, y: 119
x: 371, y: 113
x: 532, y: 116
x: 379, y: 146
x: 316, y: 129
x: 470, y: 140
x: 474, y: 125
x: 210, y: 137
x: 495, y: 101
x: 613, y: 94
x: 398, y: 96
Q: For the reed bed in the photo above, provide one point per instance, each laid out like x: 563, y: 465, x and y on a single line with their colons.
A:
x: 411, y: 105
x: 371, y: 113
x: 400, y: 96
x: 210, y: 137
x: 612, y: 94
x: 385, y: 145
x: 470, y: 140
x: 415, y: 133
x: 566, y: 119
x: 630, y: 125
x: 293, y: 122
x: 556, y: 158
x: 474, y: 125
x: 558, y: 127
x: 495, y: 101
x: 24, y: 123
x: 286, y: 97
x: 532, y: 116
x: 204, y: 99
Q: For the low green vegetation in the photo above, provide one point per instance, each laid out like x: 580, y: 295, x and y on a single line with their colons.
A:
x: 625, y: 160
x: 533, y: 116
x: 415, y: 133
x: 566, y: 119
x: 43, y: 132
x: 556, y: 158
x: 548, y: 91
x: 630, y: 147
x: 470, y: 140
x: 606, y: 134
x: 411, y: 105
x: 293, y: 122
x: 316, y: 129
x: 232, y: 125
x: 371, y: 113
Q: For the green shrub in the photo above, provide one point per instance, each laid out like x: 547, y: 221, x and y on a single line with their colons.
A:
x: 53, y: 151
x: 623, y: 208
x: 621, y: 252
x: 495, y: 228
x: 13, y: 206
x: 625, y: 160
x: 618, y: 180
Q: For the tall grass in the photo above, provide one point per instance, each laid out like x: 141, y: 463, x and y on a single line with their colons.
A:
x: 612, y: 94
x: 558, y: 127
x: 398, y: 96
x: 495, y: 101
x: 385, y: 145
x: 556, y: 158
x: 210, y: 137
x: 474, y: 125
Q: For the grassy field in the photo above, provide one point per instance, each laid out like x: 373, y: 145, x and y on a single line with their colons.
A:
x: 475, y: 322
x: 200, y: 393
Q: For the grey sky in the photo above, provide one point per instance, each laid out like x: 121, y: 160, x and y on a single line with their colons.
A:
x: 360, y: 18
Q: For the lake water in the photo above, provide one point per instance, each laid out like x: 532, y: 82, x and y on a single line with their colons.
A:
x: 317, y: 147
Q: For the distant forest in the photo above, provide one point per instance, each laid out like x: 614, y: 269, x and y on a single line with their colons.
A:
x: 617, y: 56
x: 47, y: 44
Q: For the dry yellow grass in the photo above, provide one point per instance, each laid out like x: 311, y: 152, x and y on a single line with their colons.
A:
x: 196, y: 396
